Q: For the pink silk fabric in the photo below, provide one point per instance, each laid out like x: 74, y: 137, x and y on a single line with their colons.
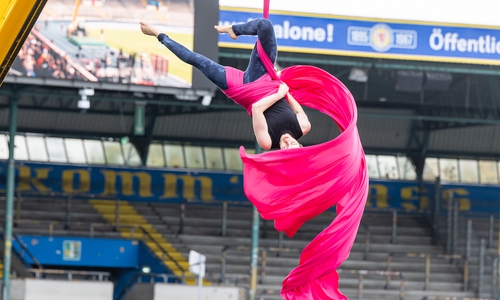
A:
x: 295, y: 185
x: 248, y: 93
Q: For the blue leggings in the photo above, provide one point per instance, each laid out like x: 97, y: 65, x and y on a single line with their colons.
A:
x: 263, y: 28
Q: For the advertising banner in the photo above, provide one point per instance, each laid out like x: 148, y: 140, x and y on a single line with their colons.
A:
x: 101, y: 41
x: 167, y: 185
x: 375, y: 38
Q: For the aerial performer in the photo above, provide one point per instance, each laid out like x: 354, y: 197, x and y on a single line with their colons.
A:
x: 277, y: 122
x: 296, y: 185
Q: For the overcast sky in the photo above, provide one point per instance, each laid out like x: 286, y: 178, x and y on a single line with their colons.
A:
x: 479, y: 12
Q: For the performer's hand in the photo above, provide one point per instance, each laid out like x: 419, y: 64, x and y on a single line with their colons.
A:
x: 283, y: 90
x: 149, y: 30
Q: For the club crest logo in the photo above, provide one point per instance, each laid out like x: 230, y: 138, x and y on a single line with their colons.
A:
x: 381, y: 37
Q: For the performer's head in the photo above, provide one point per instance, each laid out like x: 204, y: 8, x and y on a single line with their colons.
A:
x: 288, y: 142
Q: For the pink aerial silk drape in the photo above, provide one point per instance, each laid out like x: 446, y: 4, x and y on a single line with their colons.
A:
x: 292, y: 186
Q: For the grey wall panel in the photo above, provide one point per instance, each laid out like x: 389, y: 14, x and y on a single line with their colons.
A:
x: 384, y: 133
x: 74, y: 122
x: 217, y: 125
x: 476, y: 139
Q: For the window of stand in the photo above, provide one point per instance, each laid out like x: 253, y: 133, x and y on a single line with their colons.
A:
x: 4, y: 147
x: 371, y: 162
x: 36, y: 148
x: 194, y: 157
x: 431, y: 169
x: 406, y: 168
x: 20, y: 149
x: 448, y: 170
x: 155, y: 156
x: 232, y: 159
x: 131, y: 155
x: 388, y: 166
x: 113, y: 153
x: 75, y: 151
x: 488, y: 172
x: 468, y: 170
x: 214, y: 158
x: 69, y: 150
x: 56, y: 150
x: 174, y: 155
x: 95, y: 152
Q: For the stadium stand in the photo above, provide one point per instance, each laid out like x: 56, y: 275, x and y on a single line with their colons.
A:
x: 197, y: 227
x: 397, y: 254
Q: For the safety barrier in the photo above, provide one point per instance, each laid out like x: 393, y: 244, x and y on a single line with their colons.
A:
x: 361, y: 274
x: 427, y: 257
x: 99, y: 276
x: 143, y: 235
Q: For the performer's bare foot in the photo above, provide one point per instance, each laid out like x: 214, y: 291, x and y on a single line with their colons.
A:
x: 149, y: 30
x: 226, y: 29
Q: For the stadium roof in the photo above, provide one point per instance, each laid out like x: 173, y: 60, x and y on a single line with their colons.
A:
x: 455, y: 114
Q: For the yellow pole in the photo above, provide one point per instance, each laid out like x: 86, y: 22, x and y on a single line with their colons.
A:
x: 17, y: 17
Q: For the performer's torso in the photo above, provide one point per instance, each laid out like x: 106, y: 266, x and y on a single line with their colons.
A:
x: 281, y: 119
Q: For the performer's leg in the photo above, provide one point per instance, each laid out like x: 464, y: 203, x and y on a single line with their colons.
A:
x: 263, y: 28
x: 212, y: 70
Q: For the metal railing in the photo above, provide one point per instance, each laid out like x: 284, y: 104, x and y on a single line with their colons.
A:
x: 152, y: 279
x: 427, y: 257
x: 99, y: 276
x: 453, y: 298
x: 145, y: 236
x: 454, y: 233
x: 264, y: 250
x: 263, y: 261
x: 361, y: 274
x: 24, y: 250
x: 387, y: 274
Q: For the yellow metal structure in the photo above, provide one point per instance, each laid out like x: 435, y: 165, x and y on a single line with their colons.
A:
x: 17, y: 17
x: 73, y: 25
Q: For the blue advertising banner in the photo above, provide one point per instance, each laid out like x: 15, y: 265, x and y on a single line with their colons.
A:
x: 131, y: 184
x: 167, y: 185
x: 89, y: 252
x: 78, y: 251
x: 325, y: 34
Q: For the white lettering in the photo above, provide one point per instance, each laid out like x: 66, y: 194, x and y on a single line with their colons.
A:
x: 295, y: 33
x: 472, y: 45
x: 404, y: 39
x: 329, y: 28
x: 481, y: 43
x: 319, y: 35
x: 279, y: 31
x: 360, y: 36
x: 286, y: 27
x: 436, y: 39
x: 306, y: 33
x: 462, y: 45
x: 450, y: 41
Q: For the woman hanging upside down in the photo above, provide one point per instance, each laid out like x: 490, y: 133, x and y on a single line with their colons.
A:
x: 278, y: 119
x: 294, y: 188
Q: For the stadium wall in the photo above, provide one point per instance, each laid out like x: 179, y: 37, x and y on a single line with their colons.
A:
x: 31, y: 289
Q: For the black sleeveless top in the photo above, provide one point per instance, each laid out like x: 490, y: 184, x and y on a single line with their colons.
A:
x: 281, y: 119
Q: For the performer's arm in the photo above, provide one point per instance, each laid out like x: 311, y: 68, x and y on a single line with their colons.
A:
x: 259, y: 121
x: 304, y: 123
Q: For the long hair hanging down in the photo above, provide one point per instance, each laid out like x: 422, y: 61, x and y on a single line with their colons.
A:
x: 296, y: 185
